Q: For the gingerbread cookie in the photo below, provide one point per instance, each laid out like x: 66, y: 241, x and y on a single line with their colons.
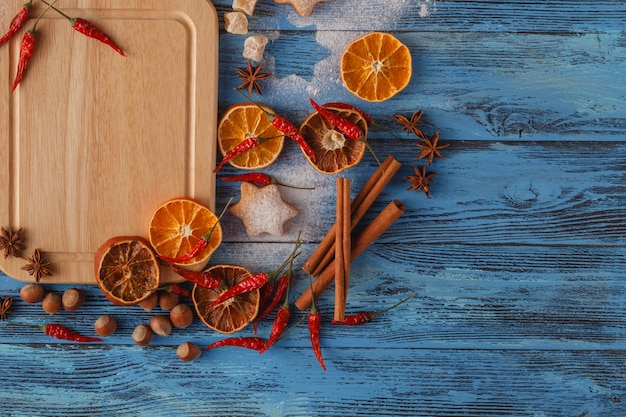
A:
x: 262, y: 210
x: 303, y: 7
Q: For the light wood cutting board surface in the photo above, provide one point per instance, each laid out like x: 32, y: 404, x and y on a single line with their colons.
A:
x: 92, y: 142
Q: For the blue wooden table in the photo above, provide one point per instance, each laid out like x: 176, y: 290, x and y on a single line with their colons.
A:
x: 517, y: 259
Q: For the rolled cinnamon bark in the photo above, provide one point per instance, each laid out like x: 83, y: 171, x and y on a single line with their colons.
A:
x: 377, y: 227
x: 324, y: 253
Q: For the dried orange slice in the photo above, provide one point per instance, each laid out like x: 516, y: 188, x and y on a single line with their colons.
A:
x: 376, y: 66
x: 126, y: 270
x: 231, y: 315
x: 177, y: 225
x: 334, y: 151
x: 241, y: 121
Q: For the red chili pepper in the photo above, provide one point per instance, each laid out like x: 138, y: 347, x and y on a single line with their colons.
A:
x: 200, y: 245
x: 281, y: 290
x: 266, y: 296
x: 204, y: 279
x: 61, y: 332
x: 26, y: 53
x: 17, y: 22
x: 88, y: 29
x: 315, y: 325
x: 255, y: 343
x: 242, y: 287
x: 244, y: 146
x: 367, y: 316
x: 346, y: 106
x: 254, y: 281
x: 259, y: 178
x: 177, y: 289
x: 280, y: 324
x: 346, y: 127
x: 288, y: 128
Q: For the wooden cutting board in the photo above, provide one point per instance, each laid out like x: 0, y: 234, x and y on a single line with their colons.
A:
x: 92, y: 142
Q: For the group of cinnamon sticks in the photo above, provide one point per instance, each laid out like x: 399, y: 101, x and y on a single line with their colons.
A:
x: 330, y: 261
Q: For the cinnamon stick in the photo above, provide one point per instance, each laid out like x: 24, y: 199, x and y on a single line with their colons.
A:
x: 323, y: 254
x: 342, y: 247
x: 372, y: 231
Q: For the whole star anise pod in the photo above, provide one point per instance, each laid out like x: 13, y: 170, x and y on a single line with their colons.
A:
x: 411, y: 125
x: 421, y: 180
x: 5, y: 305
x: 430, y: 148
x: 251, y: 77
x: 11, y: 242
x: 37, y: 266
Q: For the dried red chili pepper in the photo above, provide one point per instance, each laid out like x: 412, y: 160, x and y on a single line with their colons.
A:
x: 204, y: 279
x: 281, y: 290
x: 346, y: 106
x: 280, y: 323
x: 200, y: 245
x: 243, y: 146
x: 286, y: 127
x: 255, y: 343
x: 26, y: 53
x: 259, y: 178
x: 177, y: 289
x: 255, y: 281
x: 17, y: 22
x: 315, y: 325
x: 89, y: 29
x: 367, y: 316
x: 242, y: 287
x: 346, y: 127
x: 61, y: 332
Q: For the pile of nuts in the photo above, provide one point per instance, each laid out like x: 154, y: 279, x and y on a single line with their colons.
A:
x: 180, y: 315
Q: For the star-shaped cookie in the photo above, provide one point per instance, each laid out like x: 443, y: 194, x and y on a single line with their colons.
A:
x: 262, y: 209
x: 303, y: 7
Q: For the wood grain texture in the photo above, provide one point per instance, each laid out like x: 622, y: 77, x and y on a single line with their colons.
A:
x: 85, y: 147
x: 517, y: 259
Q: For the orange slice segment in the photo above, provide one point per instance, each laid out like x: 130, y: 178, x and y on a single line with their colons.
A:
x: 241, y: 121
x: 232, y: 315
x: 178, y: 224
x: 334, y: 151
x: 376, y: 66
x: 126, y: 270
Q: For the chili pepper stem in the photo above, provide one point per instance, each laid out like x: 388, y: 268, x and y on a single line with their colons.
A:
x: 376, y: 313
x: 269, y: 115
x: 71, y: 19
x: 208, y: 235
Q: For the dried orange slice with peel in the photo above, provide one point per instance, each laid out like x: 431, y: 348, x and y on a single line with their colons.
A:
x: 181, y: 224
x: 375, y: 67
x: 126, y: 270
x: 233, y: 314
x: 242, y: 121
x: 333, y: 150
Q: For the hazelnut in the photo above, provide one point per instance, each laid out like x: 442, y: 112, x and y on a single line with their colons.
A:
x: 73, y: 299
x: 161, y: 325
x: 105, y: 325
x: 188, y: 351
x: 142, y: 335
x: 32, y: 293
x: 149, y: 303
x: 52, y: 303
x: 181, y: 316
x: 167, y: 300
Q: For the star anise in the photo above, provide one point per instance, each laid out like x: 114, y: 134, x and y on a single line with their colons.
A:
x: 411, y: 125
x: 37, y: 266
x: 11, y: 242
x: 421, y: 180
x: 430, y: 148
x: 5, y: 305
x: 251, y: 77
